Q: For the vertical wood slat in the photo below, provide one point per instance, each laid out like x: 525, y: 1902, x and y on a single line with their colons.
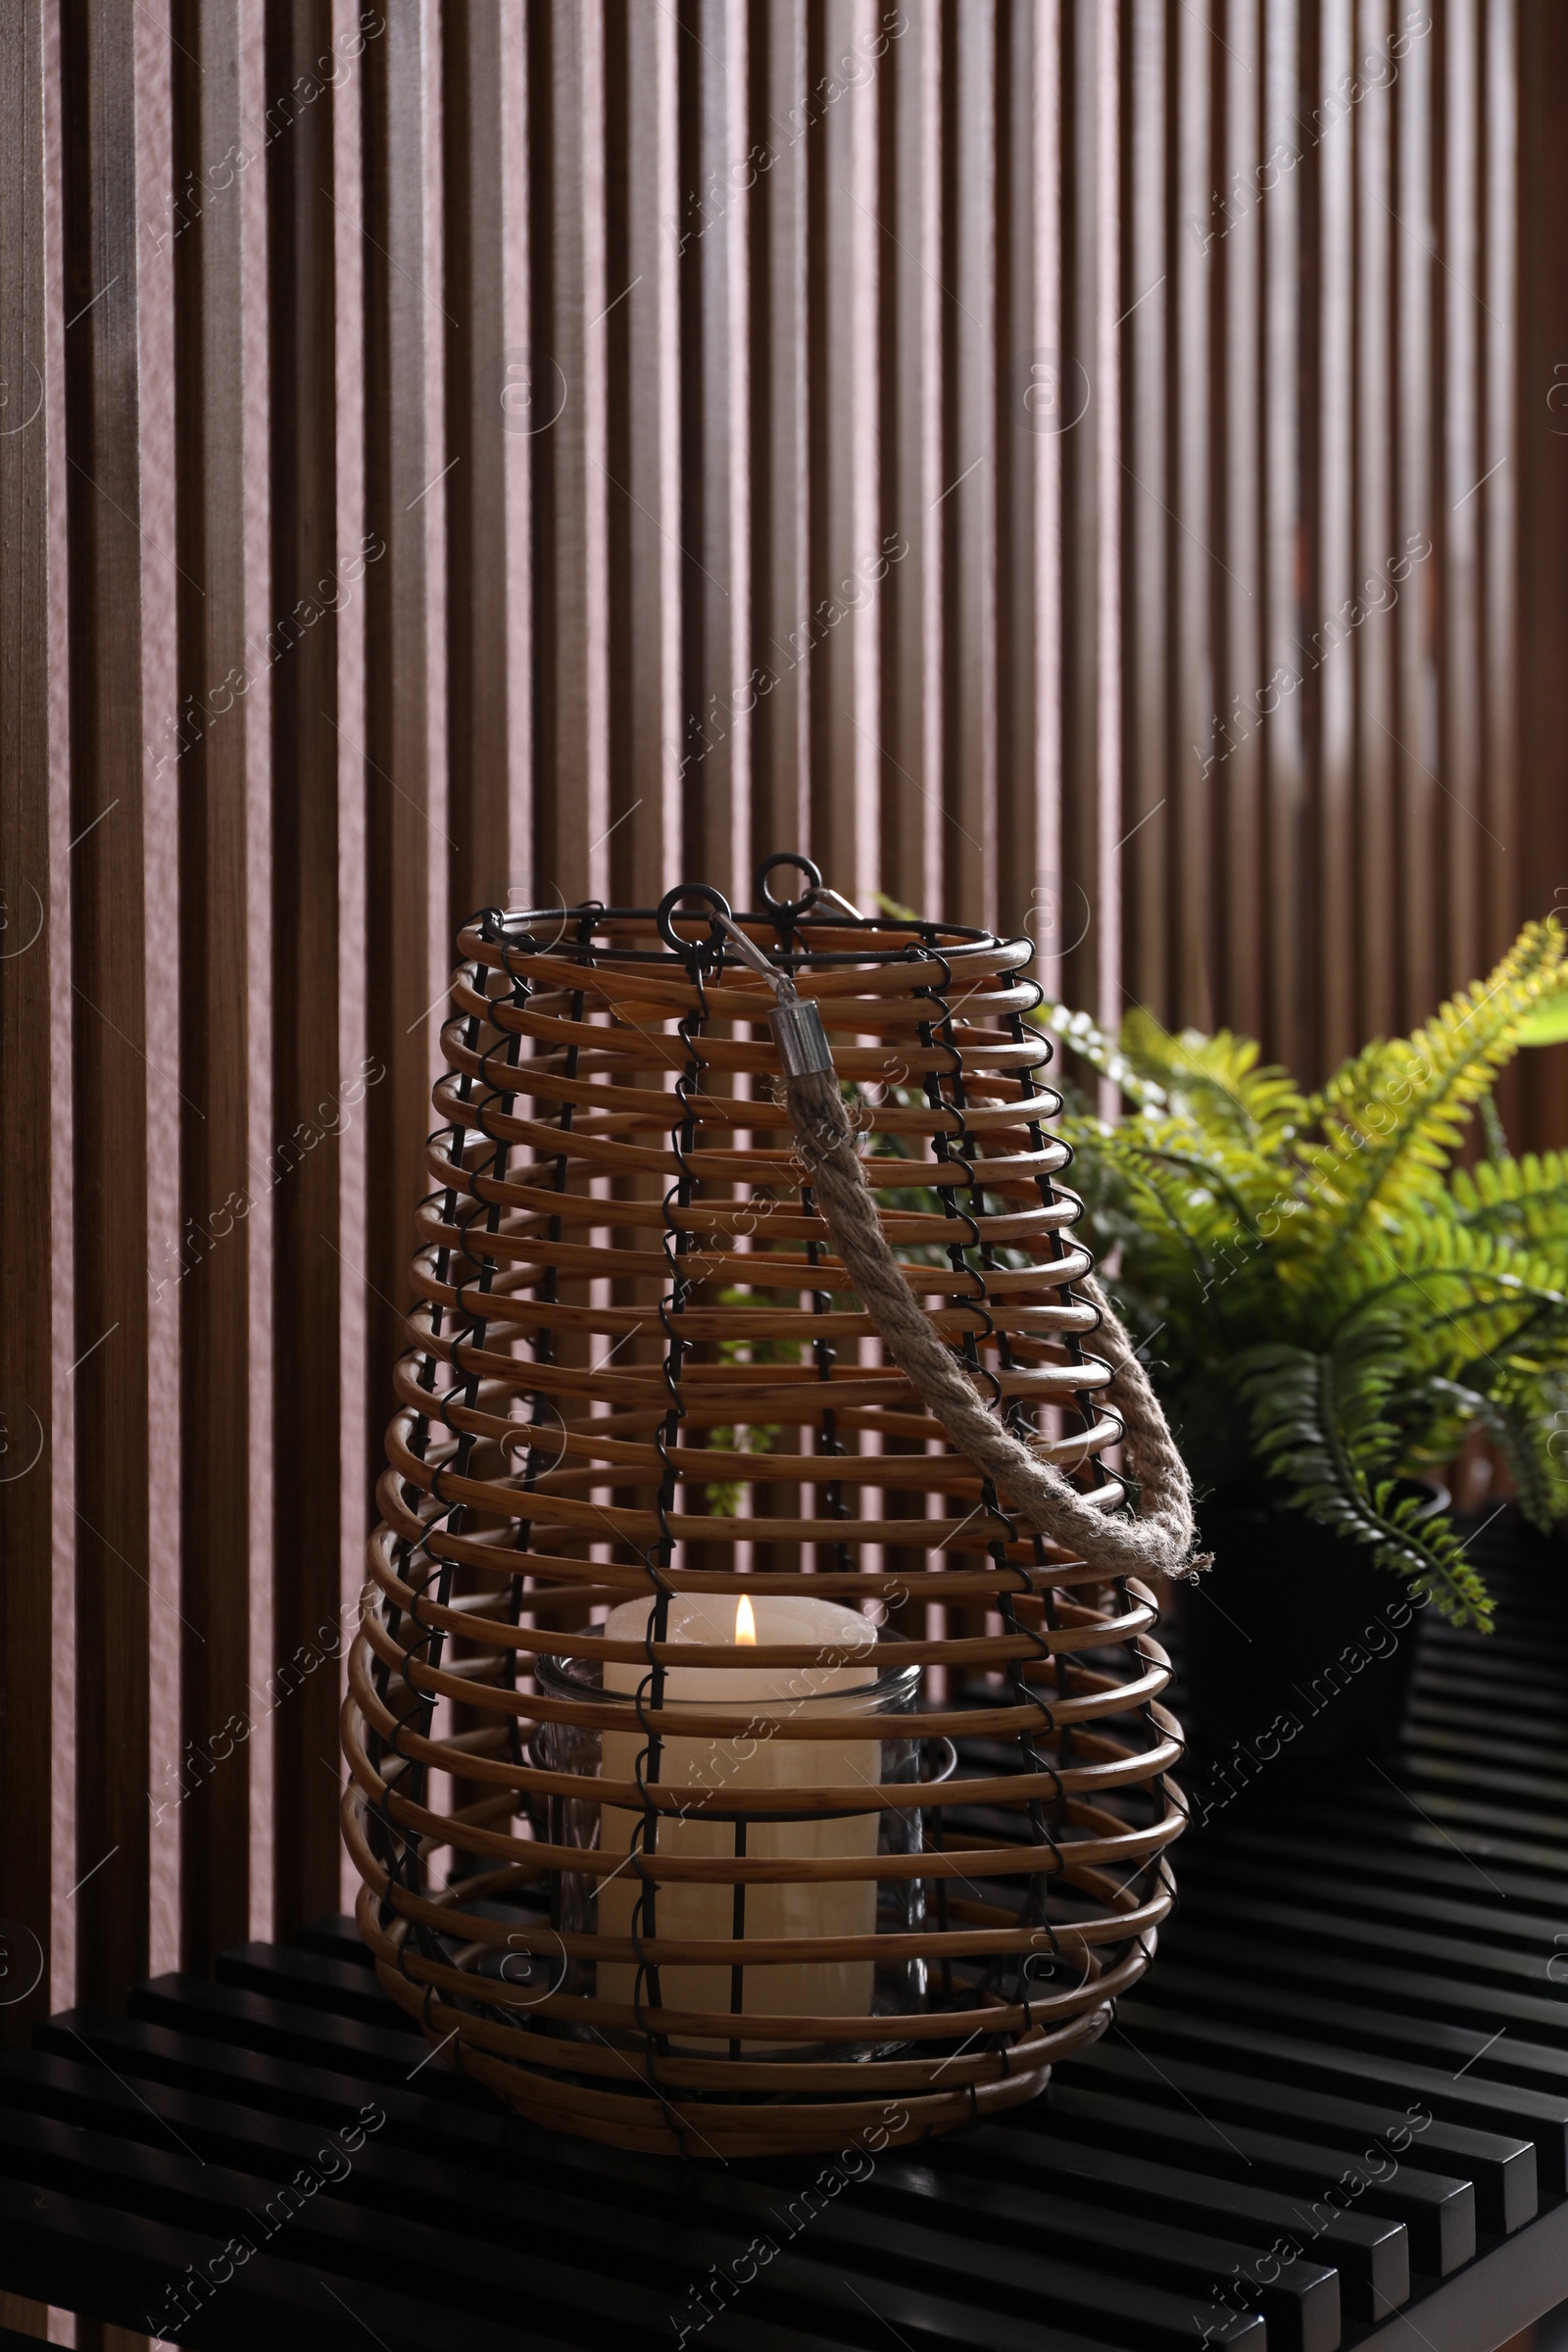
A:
x: 215, y: 1299
x: 1019, y: 715
x: 566, y: 116
x: 400, y: 839
x: 863, y: 396
x: 1147, y: 947
x: 738, y: 856
x: 1079, y: 573
x: 909, y: 720
x: 1288, y: 263
x: 1201, y: 741
x: 1500, y: 800
x: 1426, y: 852
x: 304, y: 1192
x: 591, y: 528
x: 1465, y: 461
x: 721, y: 386
x: 1377, y: 855
x: 1109, y: 300
x: 474, y: 301
x: 844, y: 474
x: 428, y: 507
x: 1240, y: 525
x: 169, y: 730
x: 60, y: 1430
x: 108, y: 949
x: 643, y: 369
x: 513, y: 197
x: 1048, y: 889
x: 256, y: 324
x: 719, y: 587
x: 346, y: 194
x: 1331, y: 681
x: 972, y: 487
x: 26, y: 1222
x: 781, y: 736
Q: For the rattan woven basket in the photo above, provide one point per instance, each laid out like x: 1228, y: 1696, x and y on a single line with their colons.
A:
x: 873, y: 1887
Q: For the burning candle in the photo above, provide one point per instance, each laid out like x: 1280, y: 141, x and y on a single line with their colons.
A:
x: 842, y: 1672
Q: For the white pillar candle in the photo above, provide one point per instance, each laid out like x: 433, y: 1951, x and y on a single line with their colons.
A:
x: 844, y: 1668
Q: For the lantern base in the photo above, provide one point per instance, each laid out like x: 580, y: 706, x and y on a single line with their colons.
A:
x: 886, y: 2100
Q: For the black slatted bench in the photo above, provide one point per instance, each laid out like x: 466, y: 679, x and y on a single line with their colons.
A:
x: 1348, y: 1959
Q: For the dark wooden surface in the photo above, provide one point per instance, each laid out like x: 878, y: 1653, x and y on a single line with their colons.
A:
x: 1342, y: 1955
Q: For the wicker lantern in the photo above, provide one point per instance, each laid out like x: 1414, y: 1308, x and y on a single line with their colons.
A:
x: 733, y: 1770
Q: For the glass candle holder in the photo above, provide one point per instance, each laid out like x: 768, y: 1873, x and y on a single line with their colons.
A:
x: 716, y: 1822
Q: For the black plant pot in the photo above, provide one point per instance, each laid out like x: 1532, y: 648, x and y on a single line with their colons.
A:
x: 1296, y: 1650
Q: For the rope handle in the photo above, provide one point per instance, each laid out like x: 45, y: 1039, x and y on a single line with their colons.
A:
x: 1158, y: 1543
x: 1162, y: 1540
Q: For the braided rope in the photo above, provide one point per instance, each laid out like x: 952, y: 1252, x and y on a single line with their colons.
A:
x: 1161, y: 1543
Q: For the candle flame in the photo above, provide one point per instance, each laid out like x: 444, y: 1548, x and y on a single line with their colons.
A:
x: 745, y: 1622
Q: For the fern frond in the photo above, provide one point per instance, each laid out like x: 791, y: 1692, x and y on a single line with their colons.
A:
x: 1462, y: 1292
x: 1527, y: 1198
x: 1091, y: 1043
x: 1498, y: 1145
x: 1524, y: 1404
x: 1437, y: 1414
x: 1528, y: 1437
x: 1193, y: 1229
x: 1222, y: 1188
x: 1217, y: 1081
x: 1319, y: 1425
x: 1392, y: 1116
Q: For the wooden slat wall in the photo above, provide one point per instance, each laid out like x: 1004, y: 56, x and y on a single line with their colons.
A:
x: 1088, y: 463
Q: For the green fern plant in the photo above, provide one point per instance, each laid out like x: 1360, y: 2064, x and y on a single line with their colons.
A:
x: 1330, y: 1303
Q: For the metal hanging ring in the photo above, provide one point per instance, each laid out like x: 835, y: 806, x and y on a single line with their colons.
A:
x: 672, y: 899
x: 789, y: 907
